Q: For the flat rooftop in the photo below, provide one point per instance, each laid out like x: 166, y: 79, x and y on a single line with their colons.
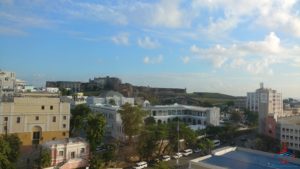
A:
x: 240, y: 158
x: 290, y: 120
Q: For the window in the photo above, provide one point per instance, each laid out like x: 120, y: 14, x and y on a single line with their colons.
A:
x: 18, y: 119
x: 64, y: 125
x: 82, y: 150
x: 54, y: 119
x: 37, y: 118
x: 65, y: 117
x: 61, y: 153
x: 64, y: 133
x: 43, y: 107
x: 51, y: 107
x: 73, y: 154
x: 5, y: 118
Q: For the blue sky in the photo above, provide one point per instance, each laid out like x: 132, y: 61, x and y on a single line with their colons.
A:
x: 226, y: 46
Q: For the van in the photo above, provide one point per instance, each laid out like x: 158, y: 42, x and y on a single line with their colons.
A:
x: 187, y: 152
x: 140, y: 165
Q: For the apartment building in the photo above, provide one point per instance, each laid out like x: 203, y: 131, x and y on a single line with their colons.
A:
x: 289, y: 129
x: 35, y: 117
x: 68, y: 153
x: 7, y: 83
x: 252, y: 101
x: 192, y: 115
x: 269, y: 105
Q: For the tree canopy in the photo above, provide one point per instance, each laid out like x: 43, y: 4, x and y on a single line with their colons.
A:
x: 9, y: 150
x: 78, y: 116
x: 94, y: 129
x: 132, y: 119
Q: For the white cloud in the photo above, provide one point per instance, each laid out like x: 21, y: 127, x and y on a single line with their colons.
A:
x: 280, y: 15
x: 255, y: 56
x: 148, y: 43
x: 185, y: 59
x: 11, y: 31
x: 153, y: 60
x: 96, y: 11
x: 121, y: 39
x: 167, y: 13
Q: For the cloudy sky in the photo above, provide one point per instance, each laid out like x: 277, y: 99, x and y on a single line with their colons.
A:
x: 226, y: 46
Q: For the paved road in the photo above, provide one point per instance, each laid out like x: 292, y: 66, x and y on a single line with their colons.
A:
x: 183, y: 162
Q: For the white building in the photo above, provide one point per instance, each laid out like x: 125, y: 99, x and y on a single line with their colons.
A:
x: 7, y: 83
x: 107, y: 97
x: 290, y: 132
x: 102, y: 105
x: 268, y: 103
x: 197, y: 117
x: 69, y: 153
x: 252, y: 101
x: 114, y: 126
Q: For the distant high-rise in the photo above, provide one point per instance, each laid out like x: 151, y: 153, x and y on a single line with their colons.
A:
x: 268, y: 103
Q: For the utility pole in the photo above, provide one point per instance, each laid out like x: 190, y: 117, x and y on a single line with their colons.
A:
x: 177, y: 160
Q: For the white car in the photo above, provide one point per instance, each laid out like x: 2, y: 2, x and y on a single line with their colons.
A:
x: 187, y: 152
x: 140, y: 165
x: 177, y: 155
x: 197, y: 150
x: 166, y: 158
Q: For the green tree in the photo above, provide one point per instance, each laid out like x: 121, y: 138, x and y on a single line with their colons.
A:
x: 9, y: 151
x: 162, y: 165
x: 45, y: 158
x: 132, y: 119
x: 96, y: 162
x: 78, y: 115
x: 146, y: 145
x: 205, y: 145
x: 5, y: 163
x: 251, y: 117
x: 94, y: 129
x: 110, y: 154
x: 112, y: 102
x: 236, y: 116
x: 15, y: 144
x: 149, y: 121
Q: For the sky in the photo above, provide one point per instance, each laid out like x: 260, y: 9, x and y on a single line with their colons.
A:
x: 226, y: 46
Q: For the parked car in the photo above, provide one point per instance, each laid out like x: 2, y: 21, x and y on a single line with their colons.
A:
x: 100, y: 148
x: 197, y: 150
x: 140, y: 165
x: 166, y: 158
x: 187, y: 152
x: 177, y: 155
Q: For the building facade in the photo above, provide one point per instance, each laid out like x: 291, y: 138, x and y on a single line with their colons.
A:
x: 268, y: 103
x: 289, y: 129
x: 252, y: 101
x: 7, y: 83
x: 68, y: 153
x: 74, y: 86
x: 192, y: 115
x: 35, y: 117
x: 114, y: 127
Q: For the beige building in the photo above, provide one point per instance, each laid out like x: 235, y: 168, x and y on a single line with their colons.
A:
x: 35, y: 117
x: 290, y: 131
